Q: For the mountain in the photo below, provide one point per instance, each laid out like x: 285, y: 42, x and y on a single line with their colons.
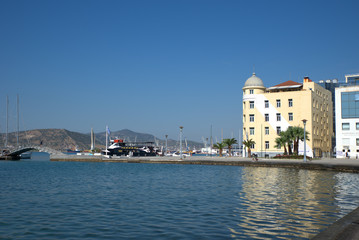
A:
x: 62, y: 139
x: 59, y: 139
x: 131, y: 136
x: 127, y: 135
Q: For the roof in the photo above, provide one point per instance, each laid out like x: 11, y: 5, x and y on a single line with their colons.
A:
x: 254, y: 81
x: 285, y: 85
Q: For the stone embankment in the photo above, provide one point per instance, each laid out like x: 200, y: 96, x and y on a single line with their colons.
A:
x: 343, y: 165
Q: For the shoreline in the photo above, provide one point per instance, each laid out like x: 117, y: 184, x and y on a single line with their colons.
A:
x: 329, y: 164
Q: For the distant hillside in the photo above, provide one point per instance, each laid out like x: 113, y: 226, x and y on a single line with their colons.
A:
x: 131, y: 136
x: 127, y: 135
x: 62, y: 139
x: 59, y: 139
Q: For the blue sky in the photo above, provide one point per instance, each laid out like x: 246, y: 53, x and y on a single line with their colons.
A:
x: 151, y: 66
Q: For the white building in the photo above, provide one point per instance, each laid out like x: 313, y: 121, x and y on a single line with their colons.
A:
x: 347, y: 121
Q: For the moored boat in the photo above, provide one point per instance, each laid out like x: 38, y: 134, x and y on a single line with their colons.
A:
x: 118, y: 147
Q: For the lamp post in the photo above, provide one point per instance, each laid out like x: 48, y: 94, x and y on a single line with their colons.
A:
x: 305, y: 151
x: 181, y: 129
x: 166, y: 144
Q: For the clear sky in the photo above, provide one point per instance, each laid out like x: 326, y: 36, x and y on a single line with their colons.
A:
x: 152, y: 65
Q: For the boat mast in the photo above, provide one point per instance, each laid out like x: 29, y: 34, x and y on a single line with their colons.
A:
x: 211, y: 141
x: 106, y: 139
x: 92, y: 140
x: 7, y: 120
x: 18, y: 127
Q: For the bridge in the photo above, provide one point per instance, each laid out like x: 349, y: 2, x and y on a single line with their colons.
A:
x: 15, y: 154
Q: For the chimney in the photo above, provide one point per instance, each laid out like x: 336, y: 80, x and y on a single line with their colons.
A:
x: 306, y: 79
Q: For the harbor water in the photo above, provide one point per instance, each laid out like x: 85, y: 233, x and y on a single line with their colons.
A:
x: 81, y: 200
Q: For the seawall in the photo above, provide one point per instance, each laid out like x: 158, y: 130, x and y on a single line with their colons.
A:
x: 342, y: 165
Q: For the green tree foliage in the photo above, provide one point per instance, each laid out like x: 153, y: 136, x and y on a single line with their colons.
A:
x: 229, y: 142
x: 281, y: 141
x: 248, y: 144
x: 291, y: 137
x: 220, y: 147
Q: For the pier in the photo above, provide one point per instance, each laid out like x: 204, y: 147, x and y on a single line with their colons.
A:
x: 15, y: 154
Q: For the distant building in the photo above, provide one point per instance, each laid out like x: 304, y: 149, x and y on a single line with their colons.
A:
x: 268, y: 111
x: 330, y: 85
x: 347, y: 117
x: 352, y: 79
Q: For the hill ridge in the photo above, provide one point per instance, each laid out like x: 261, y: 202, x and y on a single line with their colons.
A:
x: 62, y: 139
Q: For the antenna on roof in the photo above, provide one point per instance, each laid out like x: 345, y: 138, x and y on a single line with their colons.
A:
x: 254, y: 69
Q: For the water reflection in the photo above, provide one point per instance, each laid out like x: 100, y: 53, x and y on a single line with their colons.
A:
x: 282, y: 202
x: 160, y: 201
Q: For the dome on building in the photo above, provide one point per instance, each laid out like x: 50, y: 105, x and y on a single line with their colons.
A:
x: 254, y: 81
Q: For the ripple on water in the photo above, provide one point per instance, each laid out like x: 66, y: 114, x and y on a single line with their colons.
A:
x: 49, y: 200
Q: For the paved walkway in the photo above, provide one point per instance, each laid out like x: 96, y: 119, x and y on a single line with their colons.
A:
x: 344, y: 165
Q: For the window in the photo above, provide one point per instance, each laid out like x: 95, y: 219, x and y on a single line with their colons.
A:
x: 357, y: 125
x: 350, y: 104
x: 278, y: 117
x: 278, y: 103
x: 251, y: 117
x: 278, y: 130
x: 267, y: 144
x: 345, y: 126
x: 266, y: 130
x: 290, y: 116
x: 251, y: 91
x: 266, y: 117
x: 266, y: 103
x: 251, y: 104
x: 290, y: 102
x: 357, y: 140
x: 251, y: 131
x: 244, y: 117
x: 252, y: 146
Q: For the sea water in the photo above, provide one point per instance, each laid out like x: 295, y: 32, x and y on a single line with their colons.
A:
x: 79, y: 200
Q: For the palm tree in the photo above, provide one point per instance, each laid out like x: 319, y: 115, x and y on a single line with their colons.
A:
x: 220, y: 147
x: 229, y: 142
x: 281, y: 141
x: 289, y: 136
x: 298, y: 134
x: 248, y: 144
x: 294, y: 134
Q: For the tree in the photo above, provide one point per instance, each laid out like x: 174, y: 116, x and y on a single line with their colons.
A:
x: 288, y: 135
x: 220, y: 147
x: 291, y: 136
x: 229, y: 142
x: 248, y: 144
x: 281, y: 141
x: 298, y: 134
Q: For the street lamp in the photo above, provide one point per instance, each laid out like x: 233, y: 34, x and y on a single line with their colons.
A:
x: 166, y: 145
x: 181, y: 130
x: 305, y: 151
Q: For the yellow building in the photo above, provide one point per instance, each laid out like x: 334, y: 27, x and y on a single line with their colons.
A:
x: 268, y: 111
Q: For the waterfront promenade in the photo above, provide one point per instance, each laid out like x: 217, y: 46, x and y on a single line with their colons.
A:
x: 334, y: 164
x: 345, y: 228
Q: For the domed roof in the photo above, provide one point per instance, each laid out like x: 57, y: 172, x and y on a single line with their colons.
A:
x: 254, y: 81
